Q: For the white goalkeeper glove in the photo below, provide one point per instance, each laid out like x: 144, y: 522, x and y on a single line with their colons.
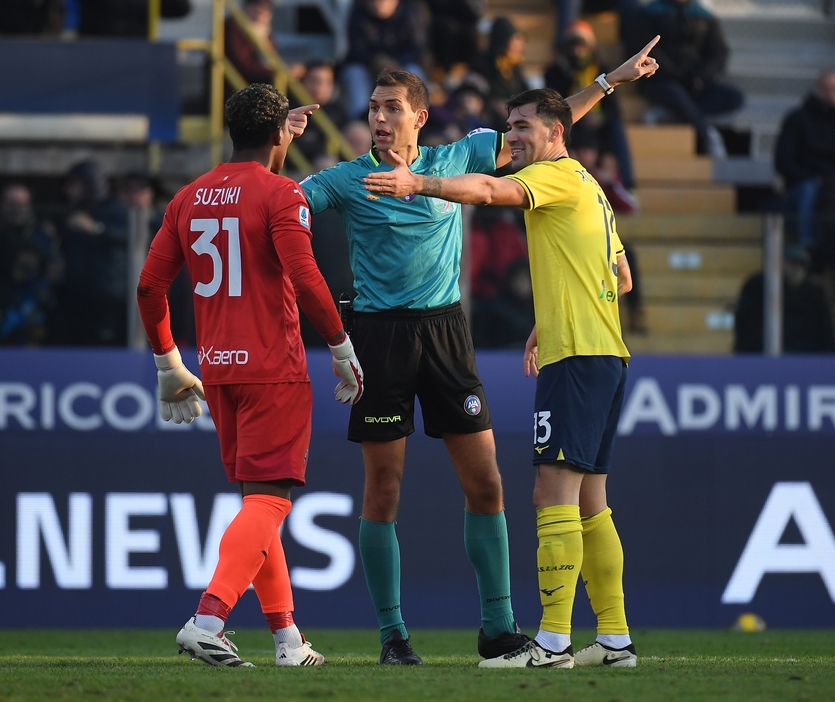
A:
x: 346, y: 366
x: 178, y: 389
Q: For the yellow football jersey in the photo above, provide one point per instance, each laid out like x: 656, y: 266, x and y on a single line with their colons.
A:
x: 573, y: 247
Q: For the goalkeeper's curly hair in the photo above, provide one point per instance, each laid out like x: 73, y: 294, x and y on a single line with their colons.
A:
x: 254, y: 114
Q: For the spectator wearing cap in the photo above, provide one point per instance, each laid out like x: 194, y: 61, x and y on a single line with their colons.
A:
x: 576, y: 66
x: 569, y: 11
x: 807, y: 317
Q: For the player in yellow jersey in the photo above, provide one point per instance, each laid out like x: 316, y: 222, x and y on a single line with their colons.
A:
x: 577, y: 354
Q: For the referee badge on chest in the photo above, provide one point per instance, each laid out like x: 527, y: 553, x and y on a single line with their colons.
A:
x: 472, y: 405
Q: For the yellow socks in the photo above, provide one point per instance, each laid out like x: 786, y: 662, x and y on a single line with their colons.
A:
x: 603, y: 572
x: 559, y: 557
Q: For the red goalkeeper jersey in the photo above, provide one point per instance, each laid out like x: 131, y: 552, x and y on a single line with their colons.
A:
x: 244, y: 234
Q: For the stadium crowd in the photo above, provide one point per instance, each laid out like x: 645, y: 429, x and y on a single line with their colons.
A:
x: 59, y: 257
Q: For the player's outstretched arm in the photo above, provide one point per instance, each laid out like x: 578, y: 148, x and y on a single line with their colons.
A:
x: 469, y: 189
x: 347, y: 366
x: 638, y: 66
x: 179, y: 389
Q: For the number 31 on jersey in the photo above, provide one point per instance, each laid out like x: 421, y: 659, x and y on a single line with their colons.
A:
x: 209, y: 229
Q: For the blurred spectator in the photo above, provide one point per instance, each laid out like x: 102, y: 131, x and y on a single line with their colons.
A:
x: 454, y: 33
x: 807, y: 319
x: 501, y: 66
x: 692, y: 56
x: 31, y: 17
x: 92, y: 301
x: 253, y: 66
x: 576, y: 67
x: 381, y: 34
x: 123, y: 18
x: 358, y: 135
x: 585, y: 147
x: 497, y: 238
x: 320, y: 82
x: 136, y: 190
x: 464, y: 110
x: 506, y: 321
x: 805, y: 155
x: 30, y: 266
x: 569, y: 11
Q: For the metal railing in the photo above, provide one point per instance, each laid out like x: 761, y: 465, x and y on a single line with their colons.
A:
x: 773, y: 241
x: 221, y: 70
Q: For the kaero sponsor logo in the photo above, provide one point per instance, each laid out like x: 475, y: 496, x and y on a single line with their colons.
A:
x: 222, y: 358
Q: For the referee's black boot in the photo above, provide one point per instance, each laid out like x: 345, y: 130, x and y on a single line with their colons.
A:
x: 499, y: 645
x: 398, y: 651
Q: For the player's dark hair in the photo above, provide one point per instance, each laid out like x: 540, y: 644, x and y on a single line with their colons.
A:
x: 417, y: 93
x: 254, y: 114
x: 551, y: 107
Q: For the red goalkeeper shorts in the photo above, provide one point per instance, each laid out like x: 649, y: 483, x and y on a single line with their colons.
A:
x: 264, y: 430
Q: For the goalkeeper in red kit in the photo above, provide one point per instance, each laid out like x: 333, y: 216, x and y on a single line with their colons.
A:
x: 244, y: 233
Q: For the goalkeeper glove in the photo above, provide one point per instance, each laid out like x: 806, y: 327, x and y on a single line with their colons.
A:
x: 346, y: 366
x: 178, y: 389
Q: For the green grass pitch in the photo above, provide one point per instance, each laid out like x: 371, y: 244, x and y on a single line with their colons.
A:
x: 141, y: 664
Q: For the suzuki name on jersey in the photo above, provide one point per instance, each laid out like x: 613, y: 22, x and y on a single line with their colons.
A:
x: 222, y: 358
x: 217, y: 196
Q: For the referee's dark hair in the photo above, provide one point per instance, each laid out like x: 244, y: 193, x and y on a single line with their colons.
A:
x: 416, y: 91
x: 551, y: 107
x: 254, y: 114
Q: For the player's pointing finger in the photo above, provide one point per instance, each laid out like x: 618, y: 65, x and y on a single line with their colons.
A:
x: 649, y: 46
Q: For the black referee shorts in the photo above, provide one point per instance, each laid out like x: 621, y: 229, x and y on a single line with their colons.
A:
x: 423, y: 353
